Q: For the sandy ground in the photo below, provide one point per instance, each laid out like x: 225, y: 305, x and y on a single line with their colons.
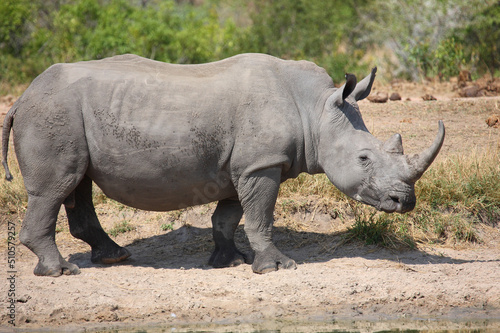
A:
x: 167, y: 280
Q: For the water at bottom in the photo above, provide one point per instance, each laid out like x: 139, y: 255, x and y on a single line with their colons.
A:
x: 404, y: 326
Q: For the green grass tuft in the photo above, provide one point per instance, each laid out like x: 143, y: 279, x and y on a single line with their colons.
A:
x: 167, y: 226
x: 121, y: 228
x: 374, y: 228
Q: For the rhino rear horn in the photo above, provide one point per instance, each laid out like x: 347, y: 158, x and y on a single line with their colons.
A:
x: 418, y: 163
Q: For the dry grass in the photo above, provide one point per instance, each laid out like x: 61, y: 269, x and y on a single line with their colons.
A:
x: 464, y: 183
x: 458, y: 193
x: 13, y: 197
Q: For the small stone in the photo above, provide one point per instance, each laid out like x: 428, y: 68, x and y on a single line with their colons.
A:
x: 493, y: 121
x: 379, y: 97
x: 471, y: 91
x: 428, y: 97
x: 395, y: 97
x: 24, y: 299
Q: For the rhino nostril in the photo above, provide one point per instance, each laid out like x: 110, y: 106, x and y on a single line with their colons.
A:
x: 394, y: 198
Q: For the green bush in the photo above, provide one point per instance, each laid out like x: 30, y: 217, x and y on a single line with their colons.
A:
x: 482, y: 38
x: 436, y: 37
x: 37, y: 34
x: 305, y: 29
x: 449, y: 58
x: 95, y: 29
x: 14, y: 16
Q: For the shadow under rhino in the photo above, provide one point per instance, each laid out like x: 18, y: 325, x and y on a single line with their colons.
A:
x: 190, y: 247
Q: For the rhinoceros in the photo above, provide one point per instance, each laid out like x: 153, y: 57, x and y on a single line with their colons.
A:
x: 158, y: 136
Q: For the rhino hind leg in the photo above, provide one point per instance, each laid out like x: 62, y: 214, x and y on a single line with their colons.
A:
x: 84, y: 225
x: 225, y: 220
x: 38, y: 234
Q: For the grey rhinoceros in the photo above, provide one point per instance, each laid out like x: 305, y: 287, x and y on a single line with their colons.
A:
x: 159, y: 136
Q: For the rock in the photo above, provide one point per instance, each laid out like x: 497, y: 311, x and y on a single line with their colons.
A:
x: 395, y: 97
x: 493, y: 86
x: 493, y: 121
x: 471, y: 91
x: 428, y: 97
x: 378, y: 97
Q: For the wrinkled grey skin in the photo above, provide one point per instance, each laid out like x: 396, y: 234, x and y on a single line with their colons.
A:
x: 160, y: 137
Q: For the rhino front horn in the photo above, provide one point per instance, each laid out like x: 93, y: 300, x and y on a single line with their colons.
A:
x: 418, y: 163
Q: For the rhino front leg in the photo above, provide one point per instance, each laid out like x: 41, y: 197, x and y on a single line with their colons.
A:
x: 84, y: 225
x: 258, y: 193
x: 225, y: 220
x: 38, y: 234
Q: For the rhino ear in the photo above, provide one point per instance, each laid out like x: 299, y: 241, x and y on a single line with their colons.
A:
x: 338, y: 97
x: 364, y: 87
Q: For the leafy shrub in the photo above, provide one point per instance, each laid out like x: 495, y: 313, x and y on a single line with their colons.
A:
x: 482, y: 37
x: 429, y: 38
x: 305, y: 29
x: 95, y: 29
x: 424, y: 34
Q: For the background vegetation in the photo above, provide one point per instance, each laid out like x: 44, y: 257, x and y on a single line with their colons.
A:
x: 418, y: 37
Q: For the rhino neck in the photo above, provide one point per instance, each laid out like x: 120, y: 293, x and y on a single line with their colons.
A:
x: 309, y: 86
x: 311, y: 123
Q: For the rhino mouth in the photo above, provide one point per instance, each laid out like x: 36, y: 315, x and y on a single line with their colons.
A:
x: 397, y: 203
x: 394, y: 203
x: 392, y: 208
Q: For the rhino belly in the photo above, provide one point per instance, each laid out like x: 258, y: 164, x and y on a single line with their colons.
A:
x: 159, y: 172
x: 141, y: 182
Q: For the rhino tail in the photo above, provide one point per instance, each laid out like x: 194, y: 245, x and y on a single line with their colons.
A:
x: 7, y: 125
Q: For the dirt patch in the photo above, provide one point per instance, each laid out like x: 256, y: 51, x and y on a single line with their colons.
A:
x: 167, y: 279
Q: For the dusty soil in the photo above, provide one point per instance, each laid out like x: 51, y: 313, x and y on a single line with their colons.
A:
x: 167, y: 280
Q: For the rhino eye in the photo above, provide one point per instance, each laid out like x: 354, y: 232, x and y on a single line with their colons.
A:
x: 364, y: 160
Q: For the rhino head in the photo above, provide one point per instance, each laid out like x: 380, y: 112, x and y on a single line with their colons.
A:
x: 366, y: 169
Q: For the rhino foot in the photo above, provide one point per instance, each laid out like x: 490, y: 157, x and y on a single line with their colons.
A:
x: 109, y: 255
x: 228, y: 257
x: 56, y: 269
x: 271, y: 259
